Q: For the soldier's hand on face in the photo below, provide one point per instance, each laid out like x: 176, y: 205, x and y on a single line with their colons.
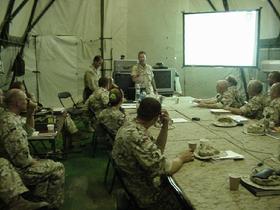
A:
x: 31, y: 106
x: 164, y: 117
x: 186, y: 156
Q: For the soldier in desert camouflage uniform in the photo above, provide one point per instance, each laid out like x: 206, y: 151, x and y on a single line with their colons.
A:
x: 225, y: 97
x: 100, y: 98
x: 70, y: 125
x: 273, y: 77
x: 12, y: 187
x: 272, y: 112
x: 140, y: 158
x: 46, y: 176
x: 112, y: 117
x: 254, y: 107
x: 143, y: 75
x: 91, y: 77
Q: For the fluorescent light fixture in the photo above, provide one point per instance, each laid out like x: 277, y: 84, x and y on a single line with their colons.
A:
x: 221, y: 38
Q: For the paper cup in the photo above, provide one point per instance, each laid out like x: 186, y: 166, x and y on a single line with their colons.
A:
x: 50, y: 128
x: 192, y: 146
x: 234, y: 181
x: 203, y: 141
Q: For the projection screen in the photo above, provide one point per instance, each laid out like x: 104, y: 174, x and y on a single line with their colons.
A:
x: 226, y: 39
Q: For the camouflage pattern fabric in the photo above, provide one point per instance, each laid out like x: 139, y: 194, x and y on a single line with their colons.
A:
x: 230, y: 98
x: 98, y: 100
x: 112, y: 118
x: 254, y: 108
x: 142, y: 164
x: 11, y: 184
x: 46, y: 176
x: 70, y: 125
x: 272, y: 112
x: 145, y: 78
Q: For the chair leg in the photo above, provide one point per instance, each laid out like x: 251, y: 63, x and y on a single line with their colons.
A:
x: 94, y: 144
x: 107, y: 171
x: 113, y: 182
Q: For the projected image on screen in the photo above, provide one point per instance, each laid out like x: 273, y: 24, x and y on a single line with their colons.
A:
x: 221, y: 38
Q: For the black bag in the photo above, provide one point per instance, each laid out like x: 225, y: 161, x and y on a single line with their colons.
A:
x: 19, y: 66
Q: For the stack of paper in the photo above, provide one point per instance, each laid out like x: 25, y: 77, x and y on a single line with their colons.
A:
x: 129, y: 106
x: 228, y: 154
x: 238, y: 118
x: 179, y: 120
x: 219, y: 111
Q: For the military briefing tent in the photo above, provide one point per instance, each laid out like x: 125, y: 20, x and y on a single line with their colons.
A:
x: 58, y: 39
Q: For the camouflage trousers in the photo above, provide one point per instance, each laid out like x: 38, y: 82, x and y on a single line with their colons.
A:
x: 46, y: 177
x: 11, y: 184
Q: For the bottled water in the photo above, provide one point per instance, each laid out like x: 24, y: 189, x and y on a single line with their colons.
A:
x: 137, y: 92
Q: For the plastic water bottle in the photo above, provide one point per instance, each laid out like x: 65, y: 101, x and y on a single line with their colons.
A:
x: 142, y: 95
x: 137, y: 92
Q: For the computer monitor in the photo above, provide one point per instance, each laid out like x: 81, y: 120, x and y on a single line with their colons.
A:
x: 164, y: 79
x: 124, y: 81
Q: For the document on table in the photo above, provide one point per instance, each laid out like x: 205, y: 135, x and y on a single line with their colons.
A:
x: 228, y: 154
x: 219, y: 111
x: 179, y: 120
x: 238, y: 118
x: 129, y: 106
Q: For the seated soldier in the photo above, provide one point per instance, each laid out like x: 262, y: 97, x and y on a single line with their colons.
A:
x: 273, y: 77
x: 272, y: 112
x: 1, y: 100
x: 69, y: 125
x: 12, y: 188
x: 254, y: 108
x: 112, y: 117
x: 140, y: 158
x: 45, y: 176
x: 100, y: 98
x: 233, y: 89
x: 224, y: 98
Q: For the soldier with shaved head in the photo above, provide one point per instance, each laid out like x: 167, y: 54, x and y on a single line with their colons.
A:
x: 254, y: 108
x: 224, y: 98
x: 274, y: 106
x: 46, y: 177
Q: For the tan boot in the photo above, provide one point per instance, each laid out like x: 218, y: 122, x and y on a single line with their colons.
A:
x: 19, y: 203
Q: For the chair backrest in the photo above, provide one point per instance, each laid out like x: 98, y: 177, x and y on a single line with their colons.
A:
x: 185, y: 204
x: 65, y: 95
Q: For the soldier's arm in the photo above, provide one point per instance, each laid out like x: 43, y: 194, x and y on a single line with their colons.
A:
x: 178, y: 162
x: 134, y: 74
x: 154, y: 85
x: 235, y: 110
x: 162, y: 137
x: 16, y: 145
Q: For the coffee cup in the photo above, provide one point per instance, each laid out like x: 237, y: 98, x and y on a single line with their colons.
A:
x: 234, y: 181
x: 50, y: 128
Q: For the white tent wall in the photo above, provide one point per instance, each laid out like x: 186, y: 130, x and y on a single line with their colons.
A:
x: 154, y: 26
x: 65, y: 22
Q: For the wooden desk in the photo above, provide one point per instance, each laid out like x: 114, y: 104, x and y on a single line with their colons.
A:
x: 205, y: 184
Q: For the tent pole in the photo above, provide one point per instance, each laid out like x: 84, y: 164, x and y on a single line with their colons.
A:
x: 102, y: 34
x: 243, y: 78
x: 5, y: 24
x: 212, y: 5
x: 225, y: 3
x: 36, y: 71
x: 17, y: 10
